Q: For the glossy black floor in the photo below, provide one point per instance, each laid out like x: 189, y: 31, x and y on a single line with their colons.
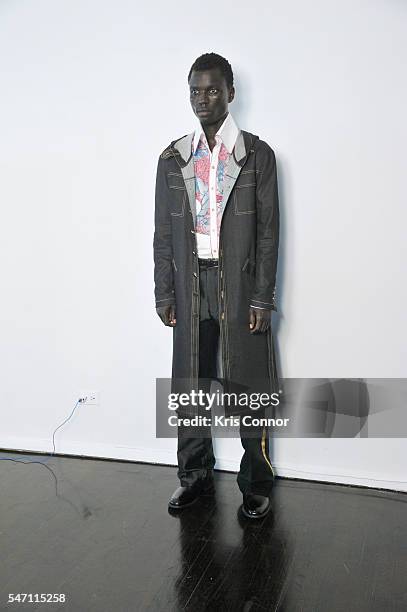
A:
x: 100, y: 532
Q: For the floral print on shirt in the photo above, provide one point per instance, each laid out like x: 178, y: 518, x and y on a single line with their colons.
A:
x: 202, y: 163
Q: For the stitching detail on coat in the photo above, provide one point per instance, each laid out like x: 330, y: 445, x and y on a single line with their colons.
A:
x: 243, y: 212
x: 223, y: 323
x: 164, y: 300
x: 269, y: 357
x: 260, y: 302
x: 195, y: 326
x: 245, y: 264
x: 225, y: 297
x: 181, y: 214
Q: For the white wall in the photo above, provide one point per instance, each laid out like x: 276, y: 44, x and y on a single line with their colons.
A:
x: 91, y: 92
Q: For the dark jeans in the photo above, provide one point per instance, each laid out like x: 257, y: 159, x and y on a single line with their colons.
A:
x: 195, y: 454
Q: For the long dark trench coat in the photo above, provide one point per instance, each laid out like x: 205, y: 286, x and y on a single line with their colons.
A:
x: 248, y: 250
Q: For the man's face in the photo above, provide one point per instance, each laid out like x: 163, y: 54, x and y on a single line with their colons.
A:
x: 209, y: 95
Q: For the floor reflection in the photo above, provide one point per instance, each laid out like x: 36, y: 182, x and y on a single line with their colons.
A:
x: 227, y: 562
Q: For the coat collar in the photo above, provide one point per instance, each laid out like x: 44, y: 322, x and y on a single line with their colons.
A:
x: 240, y: 150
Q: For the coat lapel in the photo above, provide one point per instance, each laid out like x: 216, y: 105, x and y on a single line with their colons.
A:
x: 234, y: 167
x: 235, y: 164
x: 184, y: 147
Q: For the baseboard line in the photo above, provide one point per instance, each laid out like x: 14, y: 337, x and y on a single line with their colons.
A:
x: 165, y: 457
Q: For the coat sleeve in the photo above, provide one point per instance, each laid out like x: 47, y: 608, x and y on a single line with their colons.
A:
x: 162, y: 243
x: 268, y: 222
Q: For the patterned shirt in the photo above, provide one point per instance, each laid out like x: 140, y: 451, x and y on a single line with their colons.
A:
x: 210, y: 168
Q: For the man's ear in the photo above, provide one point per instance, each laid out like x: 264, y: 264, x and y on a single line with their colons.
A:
x: 231, y: 94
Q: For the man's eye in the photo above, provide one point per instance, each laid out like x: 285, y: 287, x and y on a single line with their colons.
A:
x: 194, y: 92
x: 213, y: 91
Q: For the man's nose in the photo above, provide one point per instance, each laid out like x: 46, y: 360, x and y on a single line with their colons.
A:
x: 203, y: 99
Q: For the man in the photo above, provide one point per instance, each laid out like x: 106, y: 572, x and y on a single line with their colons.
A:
x: 215, y: 252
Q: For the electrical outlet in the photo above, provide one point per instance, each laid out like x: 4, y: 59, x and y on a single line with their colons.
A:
x: 89, y: 397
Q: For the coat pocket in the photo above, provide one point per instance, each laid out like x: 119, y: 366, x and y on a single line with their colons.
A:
x: 177, y: 202
x: 245, y: 198
x: 178, y: 194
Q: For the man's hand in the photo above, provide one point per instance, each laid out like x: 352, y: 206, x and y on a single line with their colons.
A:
x: 167, y: 315
x: 259, y: 320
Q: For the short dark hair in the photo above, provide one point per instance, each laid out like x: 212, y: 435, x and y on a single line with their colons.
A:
x: 207, y: 61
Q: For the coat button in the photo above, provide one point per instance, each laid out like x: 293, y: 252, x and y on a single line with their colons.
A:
x: 222, y: 315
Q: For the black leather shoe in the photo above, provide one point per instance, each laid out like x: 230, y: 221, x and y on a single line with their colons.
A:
x: 186, y: 496
x: 255, y: 506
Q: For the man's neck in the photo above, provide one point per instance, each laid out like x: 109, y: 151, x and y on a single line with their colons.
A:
x: 210, y: 131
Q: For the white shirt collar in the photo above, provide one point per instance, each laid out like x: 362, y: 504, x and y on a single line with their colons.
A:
x: 228, y: 133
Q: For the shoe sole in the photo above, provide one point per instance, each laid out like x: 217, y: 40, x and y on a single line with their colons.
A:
x: 253, y: 517
x: 177, y: 507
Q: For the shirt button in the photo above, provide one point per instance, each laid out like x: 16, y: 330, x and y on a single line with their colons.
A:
x: 213, y: 167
